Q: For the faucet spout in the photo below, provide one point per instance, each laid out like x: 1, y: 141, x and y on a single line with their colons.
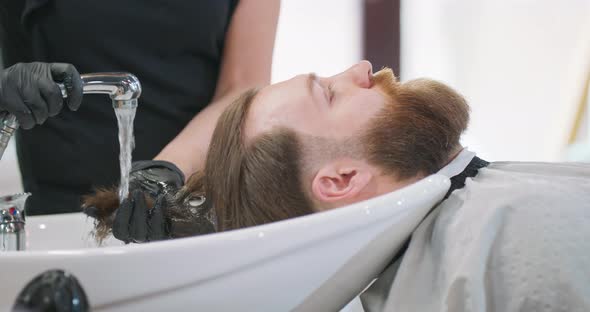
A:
x: 123, y: 88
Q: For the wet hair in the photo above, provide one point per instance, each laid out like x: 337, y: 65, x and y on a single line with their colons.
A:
x: 182, y: 218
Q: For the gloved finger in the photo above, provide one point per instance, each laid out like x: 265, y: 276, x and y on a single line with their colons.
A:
x: 69, y: 76
x: 14, y: 104
x: 157, y: 223
x: 52, y: 95
x: 122, y: 220
x: 138, y: 228
x: 25, y: 119
x: 33, y: 100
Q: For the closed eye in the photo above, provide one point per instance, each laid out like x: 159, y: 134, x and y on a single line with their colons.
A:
x: 331, y: 91
x: 327, y: 90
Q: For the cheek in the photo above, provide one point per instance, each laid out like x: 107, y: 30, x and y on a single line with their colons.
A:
x: 357, y: 110
x: 305, y: 120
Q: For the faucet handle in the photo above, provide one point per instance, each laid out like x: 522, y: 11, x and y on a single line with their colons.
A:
x: 12, y: 222
x: 12, y: 208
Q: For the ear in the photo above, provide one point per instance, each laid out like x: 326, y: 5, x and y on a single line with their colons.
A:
x: 341, y: 182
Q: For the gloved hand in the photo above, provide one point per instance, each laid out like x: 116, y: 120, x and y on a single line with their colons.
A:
x: 29, y: 91
x: 139, y: 218
x: 157, y: 208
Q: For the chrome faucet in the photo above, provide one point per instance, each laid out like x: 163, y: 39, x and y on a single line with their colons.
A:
x: 12, y: 222
x: 123, y: 88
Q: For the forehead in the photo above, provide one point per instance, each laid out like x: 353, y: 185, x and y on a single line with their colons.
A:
x: 273, y: 105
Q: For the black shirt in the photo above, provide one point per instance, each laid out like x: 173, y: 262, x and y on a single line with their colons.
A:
x: 174, y: 47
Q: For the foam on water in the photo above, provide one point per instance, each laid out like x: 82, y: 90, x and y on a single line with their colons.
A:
x: 125, y: 117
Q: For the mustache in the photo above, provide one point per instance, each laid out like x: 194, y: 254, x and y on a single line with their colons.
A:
x: 386, y: 81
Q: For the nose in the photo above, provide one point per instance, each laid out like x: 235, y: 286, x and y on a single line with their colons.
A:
x: 361, y: 74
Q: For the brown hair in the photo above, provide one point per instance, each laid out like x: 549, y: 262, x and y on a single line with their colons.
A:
x: 243, y: 182
x: 261, y: 181
x: 419, y: 131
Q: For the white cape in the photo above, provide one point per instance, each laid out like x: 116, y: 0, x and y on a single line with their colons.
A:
x: 515, y: 238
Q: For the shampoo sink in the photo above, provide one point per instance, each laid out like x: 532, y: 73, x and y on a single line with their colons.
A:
x: 318, y: 262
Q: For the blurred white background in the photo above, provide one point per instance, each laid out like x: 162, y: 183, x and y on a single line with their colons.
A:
x: 322, y: 36
x: 520, y: 63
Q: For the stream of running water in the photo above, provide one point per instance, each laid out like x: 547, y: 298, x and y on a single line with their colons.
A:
x: 125, y: 118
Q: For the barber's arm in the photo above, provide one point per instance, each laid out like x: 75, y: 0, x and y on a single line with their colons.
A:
x: 246, y: 63
x: 30, y: 92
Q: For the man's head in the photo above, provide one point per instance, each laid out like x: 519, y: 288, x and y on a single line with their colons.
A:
x: 310, y: 143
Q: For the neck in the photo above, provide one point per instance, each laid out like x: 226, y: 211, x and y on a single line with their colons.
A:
x: 388, y: 184
x: 453, y: 154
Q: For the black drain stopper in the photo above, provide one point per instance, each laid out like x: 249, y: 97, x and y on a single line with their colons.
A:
x: 52, y: 291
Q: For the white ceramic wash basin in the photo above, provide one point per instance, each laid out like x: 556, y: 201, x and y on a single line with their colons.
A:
x: 63, y: 231
x: 314, y: 263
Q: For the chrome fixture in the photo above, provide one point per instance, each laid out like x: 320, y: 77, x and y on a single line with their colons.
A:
x: 12, y: 222
x: 123, y: 88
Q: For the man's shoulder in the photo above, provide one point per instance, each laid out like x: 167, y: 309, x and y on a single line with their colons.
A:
x: 516, y: 226
x: 510, y: 182
x: 510, y: 196
x: 505, y: 236
x: 579, y: 169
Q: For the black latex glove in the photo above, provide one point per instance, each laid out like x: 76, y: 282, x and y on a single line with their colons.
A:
x: 156, y: 207
x: 140, y: 217
x: 29, y: 91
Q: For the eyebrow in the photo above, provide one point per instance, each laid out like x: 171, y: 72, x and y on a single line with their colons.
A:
x: 311, y: 78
